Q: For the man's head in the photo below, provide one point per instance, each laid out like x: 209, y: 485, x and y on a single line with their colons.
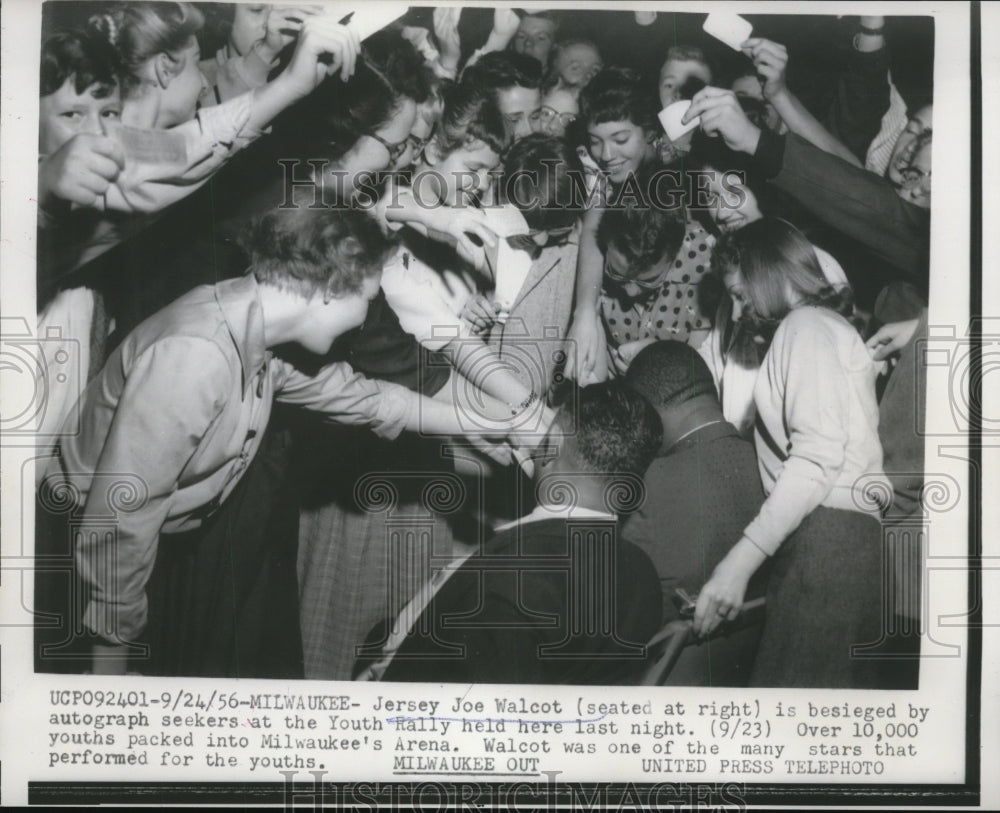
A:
x: 674, y: 378
x: 574, y: 63
x: 543, y: 177
x: 536, y: 34
x: 612, y: 430
x: 515, y: 80
x: 640, y: 242
x: 329, y: 261
x: 79, y: 88
x: 683, y: 63
x: 465, y: 148
x: 915, y: 184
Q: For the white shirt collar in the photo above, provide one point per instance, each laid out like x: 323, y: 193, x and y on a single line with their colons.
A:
x: 543, y: 512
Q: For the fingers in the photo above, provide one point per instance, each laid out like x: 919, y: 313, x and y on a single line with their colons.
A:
x: 708, y: 98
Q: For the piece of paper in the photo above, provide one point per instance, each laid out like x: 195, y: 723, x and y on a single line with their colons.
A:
x: 159, y: 147
x: 512, y: 265
x: 372, y: 17
x: 729, y: 28
x: 670, y: 117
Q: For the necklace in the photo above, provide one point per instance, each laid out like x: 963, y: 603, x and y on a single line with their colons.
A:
x: 692, y: 431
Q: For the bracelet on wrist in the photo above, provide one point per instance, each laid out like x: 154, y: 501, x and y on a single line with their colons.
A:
x: 516, y: 409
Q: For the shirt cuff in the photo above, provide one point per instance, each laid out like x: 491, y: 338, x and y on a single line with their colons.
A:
x: 121, y: 622
x: 770, y: 154
x: 394, y: 410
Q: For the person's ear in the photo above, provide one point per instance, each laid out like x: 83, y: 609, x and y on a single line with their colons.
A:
x: 165, y: 68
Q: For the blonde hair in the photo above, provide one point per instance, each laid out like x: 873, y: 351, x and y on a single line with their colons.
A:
x: 140, y: 31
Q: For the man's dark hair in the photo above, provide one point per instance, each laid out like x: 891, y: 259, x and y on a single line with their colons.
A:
x: 401, y: 64
x: 645, y: 229
x: 470, y: 114
x: 311, y: 250
x: 503, y: 70
x: 543, y: 177
x: 619, y: 94
x: 669, y: 373
x: 333, y: 117
x: 87, y: 57
x: 616, y: 430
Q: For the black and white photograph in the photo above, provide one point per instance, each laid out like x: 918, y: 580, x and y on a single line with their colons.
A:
x: 384, y: 354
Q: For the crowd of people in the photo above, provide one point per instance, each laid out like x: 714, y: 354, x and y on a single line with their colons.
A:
x: 416, y: 349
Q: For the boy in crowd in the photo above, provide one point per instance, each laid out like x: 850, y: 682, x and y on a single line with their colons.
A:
x: 516, y: 81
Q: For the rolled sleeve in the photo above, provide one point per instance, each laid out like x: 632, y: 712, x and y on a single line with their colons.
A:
x: 156, y: 428
x: 347, y: 397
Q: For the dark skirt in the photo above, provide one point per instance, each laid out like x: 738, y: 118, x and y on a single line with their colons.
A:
x: 223, y: 599
x: 824, y: 597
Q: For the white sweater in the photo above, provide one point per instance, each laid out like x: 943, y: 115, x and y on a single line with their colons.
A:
x: 817, y: 428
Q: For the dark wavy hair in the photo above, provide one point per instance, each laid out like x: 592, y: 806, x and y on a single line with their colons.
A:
x: 640, y: 229
x: 619, y: 94
x: 333, y: 117
x: 311, y: 250
x: 470, y: 114
x: 85, y: 56
x: 502, y: 70
x: 543, y: 177
x: 777, y: 264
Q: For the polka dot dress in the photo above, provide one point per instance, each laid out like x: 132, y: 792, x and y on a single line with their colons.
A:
x: 671, y: 312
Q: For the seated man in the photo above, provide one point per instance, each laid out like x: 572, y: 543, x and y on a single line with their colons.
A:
x: 508, y: 613
x: 699, y: 490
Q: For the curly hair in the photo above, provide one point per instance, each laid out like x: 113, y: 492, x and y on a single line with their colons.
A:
x: 310, y: 250
x: 86, y: 57
x: 616, y: 430
x: 669, y: 373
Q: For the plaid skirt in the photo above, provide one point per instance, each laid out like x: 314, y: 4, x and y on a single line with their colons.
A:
x: 369, y: 534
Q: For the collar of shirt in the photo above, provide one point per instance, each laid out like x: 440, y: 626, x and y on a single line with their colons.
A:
x: 544, y: 512
x: 245, y: 322
x: 704, y: 434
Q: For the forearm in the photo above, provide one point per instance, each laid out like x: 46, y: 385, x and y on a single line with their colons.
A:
x: 589, y: 272
x: 801, y: 122
x: 479, y: 363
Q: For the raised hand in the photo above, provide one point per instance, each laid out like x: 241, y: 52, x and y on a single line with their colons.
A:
x: 770, y: 59
x: 80, y: 171
x: 721, y: 115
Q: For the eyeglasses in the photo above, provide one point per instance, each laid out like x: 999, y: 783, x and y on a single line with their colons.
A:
x: 646, y: 285
x: 545, y: 115
x: 395, y: 150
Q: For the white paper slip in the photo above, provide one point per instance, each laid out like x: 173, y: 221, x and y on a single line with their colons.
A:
x: 371, y: 16
x: 670, y: 118
x: 729, y: 28
x: 512, y: 265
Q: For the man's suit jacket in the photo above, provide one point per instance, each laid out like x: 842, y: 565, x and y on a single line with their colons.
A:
x: 554, y: 601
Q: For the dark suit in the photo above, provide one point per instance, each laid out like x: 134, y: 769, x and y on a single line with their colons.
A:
x: 505, y: 615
